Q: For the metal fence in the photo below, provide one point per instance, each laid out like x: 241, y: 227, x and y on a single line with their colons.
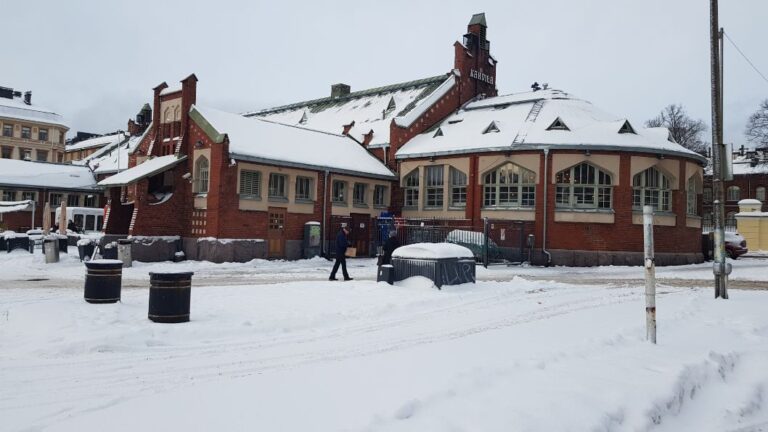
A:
x: 491, y: 241
x: 708, y: 224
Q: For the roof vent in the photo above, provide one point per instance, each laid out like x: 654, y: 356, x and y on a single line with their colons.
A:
x: 28, y: 97
x: 558, y: 125
x: 545, y: 86
x: 627, y: 128
x: 535, y: 86
x: 491, y: 128
x: 304, y: 118
x: 438, y: 133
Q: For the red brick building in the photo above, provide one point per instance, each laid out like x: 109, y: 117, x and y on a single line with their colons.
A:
x: 750, y: 181
x: 577, y: 175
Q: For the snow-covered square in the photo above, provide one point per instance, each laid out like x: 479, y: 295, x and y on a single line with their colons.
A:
x: 274, y: 345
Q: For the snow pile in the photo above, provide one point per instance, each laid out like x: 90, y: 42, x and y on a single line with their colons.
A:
x: 432, y: 251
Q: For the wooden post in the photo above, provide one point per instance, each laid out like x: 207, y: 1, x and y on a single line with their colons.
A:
x: 650, y: 275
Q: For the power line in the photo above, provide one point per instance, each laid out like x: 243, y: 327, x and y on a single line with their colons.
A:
x: 745, y: 57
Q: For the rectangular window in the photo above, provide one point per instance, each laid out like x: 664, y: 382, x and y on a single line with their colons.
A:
x: 90, y: 201
x: 27, y: 195
x: 339, y: 192
x: 90, y: 222
x: 358, y: 194
x: 99, y: 222
x: 304, y: 188
x: 379, y: 196
x: 250, y: 184
x: 9, y: 195
x: 411, y: 189
x: 563, y: 196
x: 55, y: 199
x: 73, y: 200
x: 42, y: 135
x: 434, y: 186
x: 277, y: 186
x: 7, y: 152
x: 42, y: 156
x: 458, y: 188
x: 7, y: 130
x: 707, y: 195
x: 26, y: 132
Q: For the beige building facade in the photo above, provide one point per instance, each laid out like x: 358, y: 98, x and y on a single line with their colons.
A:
x: 27, y: 131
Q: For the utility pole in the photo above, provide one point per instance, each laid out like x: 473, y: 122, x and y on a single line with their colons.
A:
x: 719, y: 269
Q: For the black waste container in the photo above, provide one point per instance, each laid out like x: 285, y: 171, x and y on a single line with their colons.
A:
x: 386, y: 274
x: 169, y: 296
x: 103, y: 279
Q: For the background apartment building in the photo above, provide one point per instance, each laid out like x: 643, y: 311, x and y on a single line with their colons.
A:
x: 29, y: 132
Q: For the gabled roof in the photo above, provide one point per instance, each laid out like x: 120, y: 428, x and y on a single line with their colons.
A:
x: 261, y: 140
x: 370, y: 109
x: 19, y: 173
x: 524, y: 119
x: 101, y: 141
x: 16, y: 109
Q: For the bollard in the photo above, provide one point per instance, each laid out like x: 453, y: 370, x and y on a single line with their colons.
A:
x: 103, y: 279
x: 169, y: 297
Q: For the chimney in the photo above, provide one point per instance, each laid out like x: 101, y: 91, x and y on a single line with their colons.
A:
x: 6, y: 92
x: 347, y: 127
x: 339, y: 90
x: 742, y: 150
x: 367, y: 138
x: 28, y: 97
x: 475, y: 37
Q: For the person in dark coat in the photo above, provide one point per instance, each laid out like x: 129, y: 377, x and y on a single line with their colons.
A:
x: 390, y: 245
x: 341, y: 258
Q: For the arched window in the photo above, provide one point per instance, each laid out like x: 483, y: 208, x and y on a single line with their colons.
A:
x: 760, y: 194
x: 411, y: 189
x: 692, y: 198
x: 583, y: 186
x: 168, y: 115
x: 509, y: 186
x: 734, y: 193
x: 651, y: 187
x: 458, y: 188
x: 201, y: 174
x: 177, y: 113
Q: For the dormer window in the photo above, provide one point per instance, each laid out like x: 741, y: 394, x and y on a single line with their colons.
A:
x: 558, y: 125
x: 389, y: 109
x: 627, y: 128
x: 438, y: 133
x: 491, y: 128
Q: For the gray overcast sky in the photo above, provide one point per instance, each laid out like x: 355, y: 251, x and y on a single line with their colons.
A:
x: 95, y: 61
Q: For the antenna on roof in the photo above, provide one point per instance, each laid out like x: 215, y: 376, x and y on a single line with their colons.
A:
x: 545, y: 86
x: 535, y: 86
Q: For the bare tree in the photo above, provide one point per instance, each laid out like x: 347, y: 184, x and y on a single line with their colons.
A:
x: 685, y: 131
x: 757, y: 125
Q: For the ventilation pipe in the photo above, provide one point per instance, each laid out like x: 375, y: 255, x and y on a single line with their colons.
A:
x: 546, y: 183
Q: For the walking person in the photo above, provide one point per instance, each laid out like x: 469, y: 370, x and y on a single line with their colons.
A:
x: 390, y: 245
x: 341, y: 254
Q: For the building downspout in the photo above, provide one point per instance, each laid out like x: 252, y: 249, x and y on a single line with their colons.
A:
x: 325, y: 201
x: 546, y: 182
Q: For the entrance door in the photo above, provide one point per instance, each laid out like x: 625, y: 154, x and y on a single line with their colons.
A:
x: 276, y: 233
x: 360, y: 236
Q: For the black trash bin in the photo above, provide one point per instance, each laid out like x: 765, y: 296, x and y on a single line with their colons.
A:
x: 103, y: 280
x: 85, y: 249
x: 169, y: 297
x: 386, y: 274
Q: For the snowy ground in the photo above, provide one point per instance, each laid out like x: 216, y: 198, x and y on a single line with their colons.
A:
x: 275, y: 346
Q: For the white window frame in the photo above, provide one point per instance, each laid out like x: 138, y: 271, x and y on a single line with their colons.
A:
x: 411, y: 189
x: 651, y: 187
x: 339, y: 192
x: 509, y: 186
x: 584, y: 186
x: 733, y: 193
x: 458, y: 182
x: 250, y: 184
x: 434, y: 187
x: 202, y: 174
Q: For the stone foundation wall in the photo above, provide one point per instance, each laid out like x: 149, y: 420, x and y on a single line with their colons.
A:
x: 224, y: 250
x: 583, y: 258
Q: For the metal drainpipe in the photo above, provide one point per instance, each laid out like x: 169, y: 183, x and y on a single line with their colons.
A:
x: 325, y: 200
x: 544, y: 234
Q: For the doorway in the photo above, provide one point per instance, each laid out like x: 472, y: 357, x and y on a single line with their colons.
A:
x: 276, y: 232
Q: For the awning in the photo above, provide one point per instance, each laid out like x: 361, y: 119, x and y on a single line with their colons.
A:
x: 147, y: 169
x: 13, y: 206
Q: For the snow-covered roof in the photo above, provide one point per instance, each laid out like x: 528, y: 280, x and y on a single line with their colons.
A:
x: 14, y: 206
x: 148, y: 168
x: 534, y: 120
x: 432, y: 251
x: 743, y: 165
x: 101, y: 141
x: 371, y: 110
x: 169, y: 90
x: 106, y: 159
x: 19, y: 173
x: 15, y: 108
x: 260, y: 140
